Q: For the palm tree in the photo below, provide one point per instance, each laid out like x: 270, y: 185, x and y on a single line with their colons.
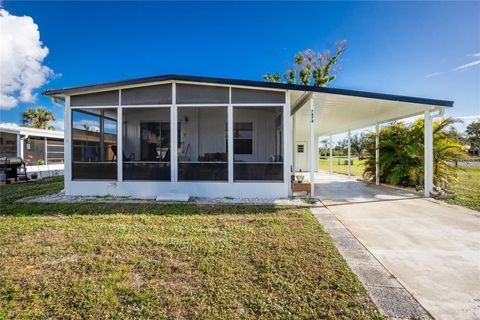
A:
x: 402, y: 154
x: 38, y: 118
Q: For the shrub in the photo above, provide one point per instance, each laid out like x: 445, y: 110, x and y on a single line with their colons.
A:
x: 402, y: 154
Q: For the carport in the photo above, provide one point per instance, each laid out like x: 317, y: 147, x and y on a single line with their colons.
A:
x: 325, y: 112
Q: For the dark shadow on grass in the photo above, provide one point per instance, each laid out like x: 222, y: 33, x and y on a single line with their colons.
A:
x: 10, y: 194
x: 44, y: 209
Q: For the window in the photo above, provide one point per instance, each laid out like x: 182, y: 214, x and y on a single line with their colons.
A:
x: 94, y: 149
x: 300, y: 148
x: 8, y: 144
x: 54, y: 151
x: 34, y: 151
x: 155, y: 141
x: 242, y: 138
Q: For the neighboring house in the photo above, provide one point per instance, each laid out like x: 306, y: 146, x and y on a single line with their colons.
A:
x: 42, y: 150
x: 171, y: 134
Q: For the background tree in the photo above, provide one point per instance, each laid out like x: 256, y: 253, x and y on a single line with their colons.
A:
x: 341, y: 147
x: 473, y: 137
x: 324, y: 146
x: 311, y: 68
x: 38, y: 118
x: 402, y: 154
x: 358, y: 143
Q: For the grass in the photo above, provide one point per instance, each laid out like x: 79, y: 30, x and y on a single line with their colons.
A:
x: 138, y: 261
x: 467, y: 190
x: 356, y: 169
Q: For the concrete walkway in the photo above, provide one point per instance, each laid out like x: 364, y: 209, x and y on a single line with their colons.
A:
x: 432, y: 248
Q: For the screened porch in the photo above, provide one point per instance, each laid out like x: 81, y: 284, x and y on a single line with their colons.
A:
x: 136, y: 141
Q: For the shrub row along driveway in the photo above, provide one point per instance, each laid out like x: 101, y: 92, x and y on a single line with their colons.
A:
x: 431, y: 247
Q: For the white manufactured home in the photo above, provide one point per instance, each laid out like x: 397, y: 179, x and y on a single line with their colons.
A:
x: 212, y: 137
x: 42, y: 150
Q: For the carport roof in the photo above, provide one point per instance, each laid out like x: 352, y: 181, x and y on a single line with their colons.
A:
x: 62, y: 92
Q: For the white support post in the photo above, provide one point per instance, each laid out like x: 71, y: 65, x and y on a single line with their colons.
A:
x: 102, y: 135
x: 230, y: 139
x: 45, y: 148
x: 313, y: 148
x: 22, y: 147
x: 428, y: 165
x: 331, y: 155
x: 120, y: 138
x: 287, y: 141
x: 377, y: 155
x: 293, y: 146
x: 67, y: 145
x: 349, y: 153
x: 174, y: 136
x: 19, y: 146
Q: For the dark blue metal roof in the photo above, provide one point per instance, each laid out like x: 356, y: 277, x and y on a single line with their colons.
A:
x: 248, y: 83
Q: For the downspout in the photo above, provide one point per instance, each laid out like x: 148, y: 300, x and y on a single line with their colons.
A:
x: 22, y: 146
x: 54, y: 101
x: 440, y: 113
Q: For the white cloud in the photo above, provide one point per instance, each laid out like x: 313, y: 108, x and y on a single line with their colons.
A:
x: 466, y: 120
x: 21, y: 60
x: 434, y: 74
x: 461, y: 68
x: 469, y: 119
x: 59, y: 125
x: 467, y: 66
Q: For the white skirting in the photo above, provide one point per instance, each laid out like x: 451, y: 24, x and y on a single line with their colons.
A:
x: 46, y: 170
x: 195, y: 189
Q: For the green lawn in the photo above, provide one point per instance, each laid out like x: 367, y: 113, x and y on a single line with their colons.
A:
x: 137, y: 261
x: 467, y: 189
x: 356, y: 169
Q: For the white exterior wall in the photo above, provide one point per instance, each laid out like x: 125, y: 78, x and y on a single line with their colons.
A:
x: 47, y: 170
x: 211, y: 124
x: 302, y: 136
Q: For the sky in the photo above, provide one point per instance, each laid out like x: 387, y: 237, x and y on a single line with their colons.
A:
x: 429, y: 49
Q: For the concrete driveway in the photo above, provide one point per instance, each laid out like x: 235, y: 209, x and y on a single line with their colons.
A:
x: 431, y: 247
